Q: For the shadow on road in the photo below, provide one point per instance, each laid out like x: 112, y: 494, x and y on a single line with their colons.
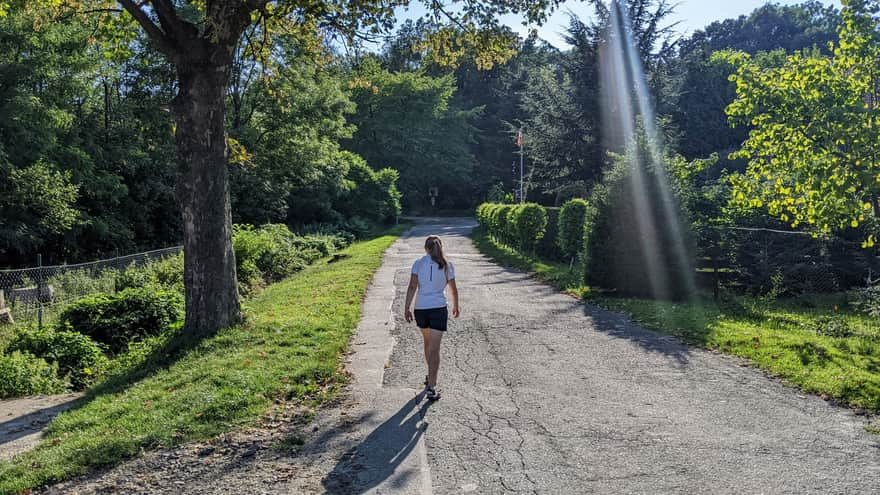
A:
x: 618, y: 326
x: 377, y: 458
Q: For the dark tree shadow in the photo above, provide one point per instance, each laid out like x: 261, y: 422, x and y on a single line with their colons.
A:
x: 378, y: 457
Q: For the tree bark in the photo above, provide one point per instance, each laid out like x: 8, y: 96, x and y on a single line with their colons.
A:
x: 212, y: 300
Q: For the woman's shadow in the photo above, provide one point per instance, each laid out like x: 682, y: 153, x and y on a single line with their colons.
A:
x: 377, y: 458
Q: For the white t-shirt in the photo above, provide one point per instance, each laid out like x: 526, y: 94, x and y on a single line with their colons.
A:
x: 432, y: 282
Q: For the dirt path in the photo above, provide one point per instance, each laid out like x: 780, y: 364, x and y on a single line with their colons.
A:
x: 542, y: 394
x: 23, y: 420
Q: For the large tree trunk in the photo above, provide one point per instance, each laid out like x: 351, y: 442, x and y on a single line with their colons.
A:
x: 199, y: 109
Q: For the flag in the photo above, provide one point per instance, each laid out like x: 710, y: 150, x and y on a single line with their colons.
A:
x: 519, y: 138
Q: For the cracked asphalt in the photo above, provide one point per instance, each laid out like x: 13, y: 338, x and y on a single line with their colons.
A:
x: 543, y: 394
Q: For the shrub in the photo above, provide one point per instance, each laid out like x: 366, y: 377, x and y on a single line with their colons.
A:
x: 78, y: 358
x: 548, y: 246
x: 372, y: 195
x: 166, y: 273
x: 22, y: 373
x: 868, y: 299
x: 529, y: 221
x: 502, y: 225
x: 630, y: 250
x: 832, y: 326
x: 572, y: 219
x: 116, y: 320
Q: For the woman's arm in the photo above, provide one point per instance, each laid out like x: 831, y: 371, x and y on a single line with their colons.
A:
x: 454, y: 289
x: 410, y: 293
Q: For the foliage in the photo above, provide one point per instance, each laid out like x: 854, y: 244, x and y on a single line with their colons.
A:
x: 116, y: 320
x: 548, y: 246
x: 289, y: 350
x: 868, y: 299
x: 698, y: 111
x: 529, y: 222
x: 632, y: 244
x: 572, y: 219
x: 22, y: 373
x: 400, y: 120
x: 78, y: 358
x: 35, y: 203
x: 822, y: 177
x: 165, y: 273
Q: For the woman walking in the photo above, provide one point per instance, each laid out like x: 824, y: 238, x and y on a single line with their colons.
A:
x: 429, y: 277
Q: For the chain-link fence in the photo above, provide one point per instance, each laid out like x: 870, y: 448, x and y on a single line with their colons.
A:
x: 38, y: 293
x: 766, y: 261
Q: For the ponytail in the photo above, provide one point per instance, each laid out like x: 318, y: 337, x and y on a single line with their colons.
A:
x: 435, y: 248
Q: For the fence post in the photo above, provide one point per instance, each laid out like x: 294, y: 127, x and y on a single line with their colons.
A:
x: 118, y: 269
x: 40, y: 291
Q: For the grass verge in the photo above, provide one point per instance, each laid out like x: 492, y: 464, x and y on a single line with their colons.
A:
x: 553, y: 273
x: 785, y: 337
x: 289, y: 348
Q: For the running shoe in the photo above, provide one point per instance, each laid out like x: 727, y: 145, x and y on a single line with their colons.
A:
x: 431, y: 394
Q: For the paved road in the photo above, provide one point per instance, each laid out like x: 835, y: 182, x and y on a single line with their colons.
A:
x: 542, y: 394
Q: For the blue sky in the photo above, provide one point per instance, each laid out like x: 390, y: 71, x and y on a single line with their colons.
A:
x: 692, y: 15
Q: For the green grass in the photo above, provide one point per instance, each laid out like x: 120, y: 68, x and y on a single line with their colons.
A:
x: 557, y: 274
x: 779, y: 336
x: 168, y: 394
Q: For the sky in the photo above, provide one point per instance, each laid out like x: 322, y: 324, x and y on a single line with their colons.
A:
x: 691, y: 15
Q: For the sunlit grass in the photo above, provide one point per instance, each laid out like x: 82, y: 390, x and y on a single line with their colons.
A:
x: 289, y: 349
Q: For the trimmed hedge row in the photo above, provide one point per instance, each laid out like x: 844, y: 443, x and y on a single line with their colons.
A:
x: 522, y: 226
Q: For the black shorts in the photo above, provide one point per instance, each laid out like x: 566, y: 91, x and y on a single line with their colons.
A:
x: 435, y: 318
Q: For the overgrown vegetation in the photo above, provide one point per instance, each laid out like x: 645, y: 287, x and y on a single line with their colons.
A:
x: 96, y: 334
x: 166, y: 390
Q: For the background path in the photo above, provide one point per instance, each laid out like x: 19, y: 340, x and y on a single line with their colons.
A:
x: 543, y: 394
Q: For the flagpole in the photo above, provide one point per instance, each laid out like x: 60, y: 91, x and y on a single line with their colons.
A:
x: 521, y: 198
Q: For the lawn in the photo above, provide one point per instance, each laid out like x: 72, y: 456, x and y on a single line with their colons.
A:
x: 794, y: 339
x: 173, y: 392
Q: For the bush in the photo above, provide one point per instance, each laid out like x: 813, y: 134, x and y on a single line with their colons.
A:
x: 634, y: 251
x: 372, y: 195
x: 832, y: 326
x: 272, y: 252
x: 548, y: 246
x: 529, y: 221
x: 22, y: 373
x: 868, y: 300
x: 572, y: 219
x: 502, y: 225
x: 166, y: 273
x: 78, y: 358
x: 129, y: 315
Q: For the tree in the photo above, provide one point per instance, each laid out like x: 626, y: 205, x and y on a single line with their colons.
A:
x: 813, y: 152
x: 698, y: 111
x: 200, y: 39
x: 404, y: 121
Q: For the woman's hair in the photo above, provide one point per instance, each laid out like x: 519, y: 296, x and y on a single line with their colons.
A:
x: 435, y: 248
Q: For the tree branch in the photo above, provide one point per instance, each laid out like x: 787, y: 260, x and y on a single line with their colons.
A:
x: 153, y: 31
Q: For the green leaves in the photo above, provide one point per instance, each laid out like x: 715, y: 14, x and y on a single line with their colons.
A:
x: 811, y: 151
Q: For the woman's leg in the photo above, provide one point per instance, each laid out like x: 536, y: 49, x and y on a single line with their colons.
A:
x: 432, y: 354
x: 426, y: 339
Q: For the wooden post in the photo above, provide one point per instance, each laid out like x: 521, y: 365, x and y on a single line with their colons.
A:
x: 40, y: 291
x: 5, y: 313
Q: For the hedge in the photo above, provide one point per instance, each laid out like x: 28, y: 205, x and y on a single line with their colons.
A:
x: 548, y: 246
x: 522, y: 226
x: 571, y: 227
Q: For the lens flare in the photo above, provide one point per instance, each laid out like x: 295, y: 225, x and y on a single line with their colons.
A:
x: 630, y: 128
